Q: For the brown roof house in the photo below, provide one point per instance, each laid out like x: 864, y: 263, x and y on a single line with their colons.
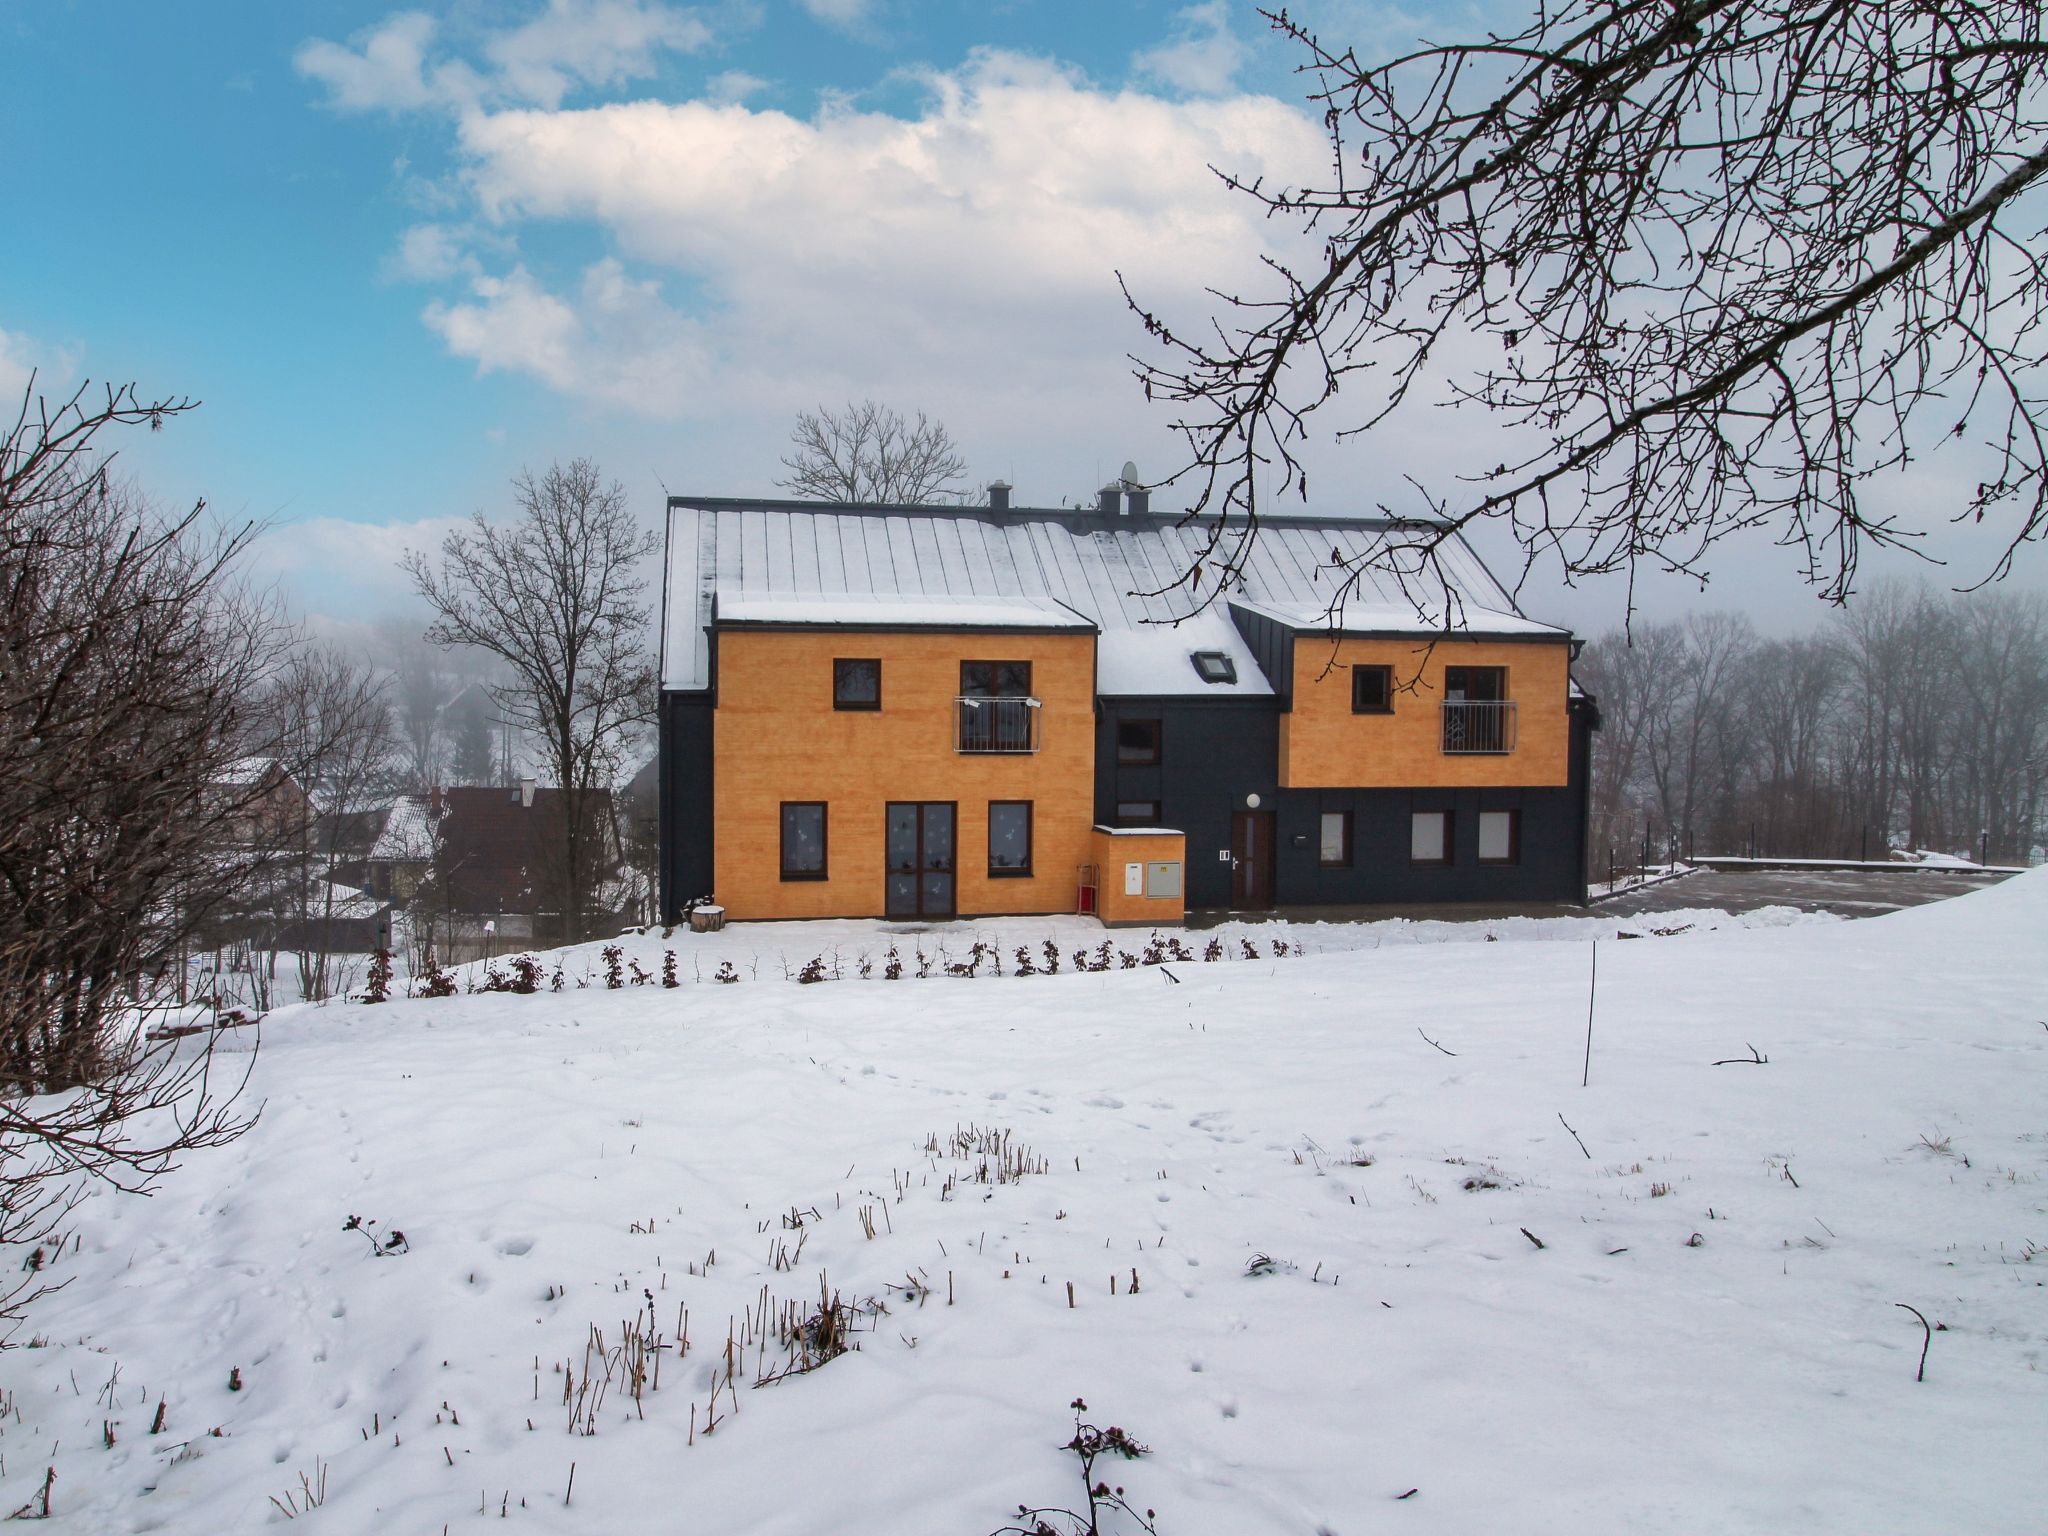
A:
x: 499, y: 878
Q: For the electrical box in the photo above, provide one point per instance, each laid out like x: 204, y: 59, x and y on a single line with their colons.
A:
x: 1134, y: 879
x: 1162, y: 878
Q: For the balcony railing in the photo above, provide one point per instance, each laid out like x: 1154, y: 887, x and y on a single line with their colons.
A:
x: 995, y: 725
x: 1479, y: 727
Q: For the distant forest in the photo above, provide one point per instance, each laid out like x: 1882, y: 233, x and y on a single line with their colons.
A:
x: 1911, y: 719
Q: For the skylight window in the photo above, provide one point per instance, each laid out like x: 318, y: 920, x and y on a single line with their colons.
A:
x: 1215, y: 667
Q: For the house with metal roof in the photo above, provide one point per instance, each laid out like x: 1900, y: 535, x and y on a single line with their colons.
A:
x: 922, y: 712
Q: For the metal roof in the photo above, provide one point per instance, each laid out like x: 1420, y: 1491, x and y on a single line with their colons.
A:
x: 1124, y: 573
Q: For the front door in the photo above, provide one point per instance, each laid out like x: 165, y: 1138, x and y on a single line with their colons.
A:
x: 920, y: 859
x: 1251, y: 860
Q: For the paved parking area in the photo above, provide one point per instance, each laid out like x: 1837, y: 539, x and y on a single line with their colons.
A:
x: 1850, y: 892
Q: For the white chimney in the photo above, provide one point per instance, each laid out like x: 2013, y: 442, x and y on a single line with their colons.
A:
x: 526, y: 787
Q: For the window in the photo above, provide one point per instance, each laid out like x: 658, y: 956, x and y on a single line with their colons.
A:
x: 1500, y: 837
x: 1137, y: 743
x: 1214, y: 666
x: 1009, y: 838
x: 856, y: 683
x: 995, y: 679
x: 1429, y: 837
x: 1336, y: 841
x: 803, y: 840
x: 1372, y: 690
x: 1137, y: 813
x: 1475, y: 685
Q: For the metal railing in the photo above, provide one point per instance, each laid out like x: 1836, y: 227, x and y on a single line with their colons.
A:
x: 1487, y: 726
x: 995, y: 725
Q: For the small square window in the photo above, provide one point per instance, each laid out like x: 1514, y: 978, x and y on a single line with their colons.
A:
x: 1372, y: 690
x: 1214, y: 666
x: 803, y: 840
x: 1336, y: 840
x: 1500, y: 837
x: 1429, y: 837
x: 856, y: 683
x: 1009, y: 838
x: 1137, y: 743
x: 1137, y: 813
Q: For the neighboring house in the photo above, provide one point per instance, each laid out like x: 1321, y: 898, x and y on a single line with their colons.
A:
x: 399, y: 852
x: 498, y: 860
x: 920, y: 712
x: 272, y: 809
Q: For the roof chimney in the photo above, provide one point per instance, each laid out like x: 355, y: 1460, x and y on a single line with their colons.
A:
x: 1112, y: 498
x: 999, y: 495
x: 526, y: 787
x: 1137, y: 499
x: 434, y: 802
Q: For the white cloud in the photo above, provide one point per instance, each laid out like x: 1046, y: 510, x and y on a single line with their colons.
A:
x: 430, y: 253
x: 22, y: 358
x: 733, y: 86
x: 386, y: 70
x: 847, y: 15
x: 595, y: 42
x: 978, y: 240
x: 392, y: 66
x: 615, y: 341
x: 1203, y: 55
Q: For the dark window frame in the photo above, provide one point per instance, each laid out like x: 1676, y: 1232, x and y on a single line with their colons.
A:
x: 1023, y: 872
x: 1386, y: 676
x: 823, y: 871
x: 1343, y: 862
x: 1502, y: 697
x: 1514, y: 816
x: 1216, y: 668
x: 1158, y: 814
x: 1158, y: 731
x: 966, y: 692
x: 839, y: 700
x: 1450, y: 840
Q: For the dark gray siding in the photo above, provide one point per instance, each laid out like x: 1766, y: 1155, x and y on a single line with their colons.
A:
x: 686, y: 828
x: 1215, y: 753
x: 1272, y: 643
x: 1212, y: 754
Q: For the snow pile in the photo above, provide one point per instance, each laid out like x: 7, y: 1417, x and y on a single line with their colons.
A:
x: 1350, y: 1250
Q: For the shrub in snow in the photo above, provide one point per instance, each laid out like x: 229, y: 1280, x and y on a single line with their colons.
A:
x: 668, y: 969
x: 614, y: 975
x: 893, y: 971
x: 814, y: 970
x: 379, y: 988
x: 725, y: 972
x: 1089, y: 1445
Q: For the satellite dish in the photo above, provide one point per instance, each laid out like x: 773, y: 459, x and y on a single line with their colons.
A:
x: 1130, y: 473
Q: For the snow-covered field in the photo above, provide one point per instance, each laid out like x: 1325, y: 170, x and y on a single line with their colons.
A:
x: 1342, y: 1320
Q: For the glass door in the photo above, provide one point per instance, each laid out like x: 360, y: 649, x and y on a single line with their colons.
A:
x: 920, y: 859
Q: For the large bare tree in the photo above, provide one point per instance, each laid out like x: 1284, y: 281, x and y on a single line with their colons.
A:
x: 1702, y: 264
x: 131, y: 671
x: 556, y: 595
x: 871, y: 453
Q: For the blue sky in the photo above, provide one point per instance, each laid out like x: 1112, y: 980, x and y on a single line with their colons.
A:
x: 400, y: 253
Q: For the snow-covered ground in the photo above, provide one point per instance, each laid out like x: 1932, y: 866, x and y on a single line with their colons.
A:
x: 1342, y: 1320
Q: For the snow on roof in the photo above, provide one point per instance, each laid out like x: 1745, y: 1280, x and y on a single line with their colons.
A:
x: 859, y: 609
x: 1427, y: 617
x: 408, y: 835
x: 1126, y: 575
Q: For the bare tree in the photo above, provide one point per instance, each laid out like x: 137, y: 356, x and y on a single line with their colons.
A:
x: 1704, y: 264
x: 340, y: 743
x: 870, y: 453
x: 556, y: 596
x: 130, y: 669
x: 417, y: 693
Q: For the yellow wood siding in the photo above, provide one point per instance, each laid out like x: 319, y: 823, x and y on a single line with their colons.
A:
x: 1323, y: 745
x: 777, y: 738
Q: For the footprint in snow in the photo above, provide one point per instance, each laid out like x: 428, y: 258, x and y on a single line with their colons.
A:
x: 515, y: 1247
x: 1105, y: 1101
